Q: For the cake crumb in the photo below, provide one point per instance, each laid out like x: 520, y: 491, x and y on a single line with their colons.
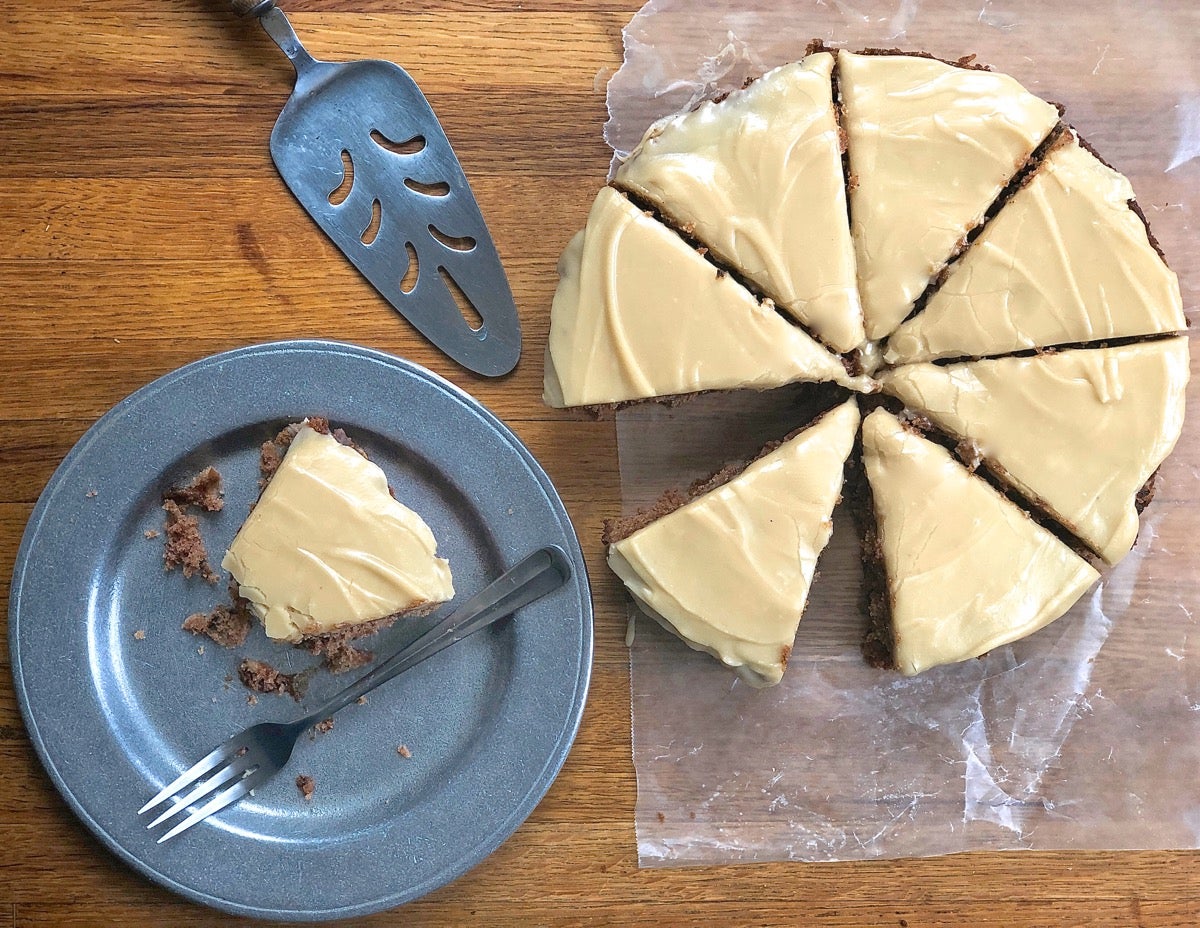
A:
x: 404, y: 752
x: 268, y: 462
x: 91, y: 494
x: 151, y: 533
x: 307, y: 786
x: 204, y: 491
x: 362, y: 700
x: 325, y: 726
x: 200, y: 650
x: 970, y: 454
x: 261, y: 677
x: 184, y: 547
x: 228, y: 626
x: 251, y: 699
x: 340, y: 657
x: 140, y: 634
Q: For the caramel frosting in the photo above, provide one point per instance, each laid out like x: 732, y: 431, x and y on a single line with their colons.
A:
x: 638, y: 313
x: 757, y: 178
x: 1066, y: 260
x: 1078, y: 432
x: 729, y: 572
x: 931, y: 145
x: 327, y: 546
x: 967, y: 571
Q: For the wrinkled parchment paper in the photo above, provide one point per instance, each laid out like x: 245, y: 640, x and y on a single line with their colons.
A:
x: 1085, y: 735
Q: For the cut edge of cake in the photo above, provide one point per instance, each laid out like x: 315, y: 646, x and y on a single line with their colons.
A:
x: 911, y: 641
x: 884, y: 312
x: 656, y: 179
x: 1103, y: 530
x: 908, y: 343
x: 646, y: 550
x: 706, y: 331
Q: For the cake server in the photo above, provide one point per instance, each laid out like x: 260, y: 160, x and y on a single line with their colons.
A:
x: 360, y: 147
x: 249, y: 759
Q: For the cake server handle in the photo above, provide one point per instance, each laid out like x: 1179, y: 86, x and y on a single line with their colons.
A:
x: 540, y: 573
x: 276, y: 25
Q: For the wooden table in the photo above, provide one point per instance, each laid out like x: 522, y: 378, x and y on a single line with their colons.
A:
x: 142, y: 226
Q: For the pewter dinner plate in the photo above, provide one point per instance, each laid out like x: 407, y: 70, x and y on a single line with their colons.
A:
x: 118, y: 699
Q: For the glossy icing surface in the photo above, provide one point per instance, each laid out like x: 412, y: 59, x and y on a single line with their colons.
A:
x: 967, y: 571
x: 931, y: 145
x: 639, y: 313
x: 327, y: 546
x: 1079, y: 430
x: 1066, y: 260
x: 729, y: 572
x: 757, y: 177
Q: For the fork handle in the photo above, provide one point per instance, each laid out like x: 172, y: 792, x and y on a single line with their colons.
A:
x: 540, y: 573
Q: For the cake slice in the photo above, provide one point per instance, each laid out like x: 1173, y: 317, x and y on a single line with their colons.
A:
x: 1066, y: 260
x: 964, y: 569
x: 931, y: 145
x: 729, y: 570
x: 638, y: 313
x: 757, y: 178
x: 1078, y: 432
x: 327, y: 551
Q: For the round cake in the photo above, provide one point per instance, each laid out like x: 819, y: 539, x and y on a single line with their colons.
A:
x: 976, y: 289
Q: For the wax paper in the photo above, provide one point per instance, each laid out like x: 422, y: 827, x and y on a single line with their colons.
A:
x: 1084, y: 735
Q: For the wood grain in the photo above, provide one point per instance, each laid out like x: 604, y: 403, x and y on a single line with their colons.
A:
x: 143, y: 226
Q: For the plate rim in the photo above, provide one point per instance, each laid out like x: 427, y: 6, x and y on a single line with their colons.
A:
x: 504, y: 828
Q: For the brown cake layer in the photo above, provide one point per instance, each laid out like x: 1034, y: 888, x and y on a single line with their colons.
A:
x: 606, y: 411
x: 335, y: 646
x: 1051, y: 349
x: 877, y: 643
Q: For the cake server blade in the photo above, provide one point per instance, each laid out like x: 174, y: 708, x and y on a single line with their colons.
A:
x: 361, y: 149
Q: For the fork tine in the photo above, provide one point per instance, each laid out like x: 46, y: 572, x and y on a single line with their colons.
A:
x: 217, y: 779
x: 192, y: 774
x: 216, y: 804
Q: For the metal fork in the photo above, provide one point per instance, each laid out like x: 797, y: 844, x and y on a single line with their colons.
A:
x: 249, y: 759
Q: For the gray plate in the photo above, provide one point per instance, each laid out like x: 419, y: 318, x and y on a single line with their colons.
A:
x: 114, y: 717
